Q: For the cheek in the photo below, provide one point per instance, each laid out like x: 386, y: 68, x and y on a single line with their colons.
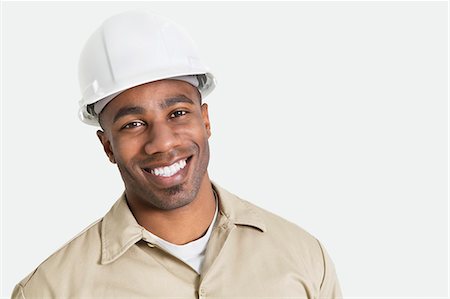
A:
x: 201, y: 137
x: 199, y: 128
x: 195, y: 133
x: 125, y: 149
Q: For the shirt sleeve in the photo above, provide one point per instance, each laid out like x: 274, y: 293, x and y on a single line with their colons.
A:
x: 329, y: 287
x: 18, y: 292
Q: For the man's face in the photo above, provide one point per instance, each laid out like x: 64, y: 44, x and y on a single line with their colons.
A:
x: 157, y: 134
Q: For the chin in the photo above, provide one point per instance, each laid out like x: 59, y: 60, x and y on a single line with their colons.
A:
x: 172, y: 198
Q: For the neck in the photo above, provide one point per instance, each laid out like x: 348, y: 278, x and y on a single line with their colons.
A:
x: 182, y: 225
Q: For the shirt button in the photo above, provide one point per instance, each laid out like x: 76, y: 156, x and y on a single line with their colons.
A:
x: 202, y: 292
x: 225, y: 225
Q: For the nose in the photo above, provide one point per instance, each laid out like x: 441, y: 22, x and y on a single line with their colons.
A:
x: 162, y: 138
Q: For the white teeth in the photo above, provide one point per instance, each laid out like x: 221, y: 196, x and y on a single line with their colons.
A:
x: 170, y: 170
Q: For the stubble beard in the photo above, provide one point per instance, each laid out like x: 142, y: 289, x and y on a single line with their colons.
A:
x: 173, y: 197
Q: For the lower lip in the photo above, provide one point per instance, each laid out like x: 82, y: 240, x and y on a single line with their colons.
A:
x: 170, y: 181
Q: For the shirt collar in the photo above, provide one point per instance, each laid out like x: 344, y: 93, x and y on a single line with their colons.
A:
x: 120, y: 230
x: 237, y: 210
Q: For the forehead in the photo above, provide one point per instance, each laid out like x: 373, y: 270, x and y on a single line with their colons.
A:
x: 154, y: 93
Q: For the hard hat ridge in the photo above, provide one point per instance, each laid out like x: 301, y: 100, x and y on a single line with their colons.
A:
x: 131, y: 49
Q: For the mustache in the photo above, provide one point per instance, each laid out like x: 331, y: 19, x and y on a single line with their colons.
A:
x: 169, y: 156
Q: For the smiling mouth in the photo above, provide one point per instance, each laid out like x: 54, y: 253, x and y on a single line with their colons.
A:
x: 170, y: 170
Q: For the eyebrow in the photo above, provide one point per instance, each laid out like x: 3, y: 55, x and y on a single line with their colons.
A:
x: 127, y: 111
x: 175, y: 100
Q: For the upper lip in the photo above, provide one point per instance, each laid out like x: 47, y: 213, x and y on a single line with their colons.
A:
x: 163, y: 164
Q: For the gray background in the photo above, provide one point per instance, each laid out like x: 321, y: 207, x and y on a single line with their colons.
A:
x: 333, y: 115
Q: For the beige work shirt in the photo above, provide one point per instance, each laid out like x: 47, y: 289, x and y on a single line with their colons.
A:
x: 251, y: 253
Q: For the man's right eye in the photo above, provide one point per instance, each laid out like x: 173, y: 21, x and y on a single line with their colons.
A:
x: 133, y: 124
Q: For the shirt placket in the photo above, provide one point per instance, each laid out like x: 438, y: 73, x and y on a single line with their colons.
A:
x: 216, y: 245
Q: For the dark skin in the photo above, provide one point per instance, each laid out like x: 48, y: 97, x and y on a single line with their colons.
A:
x: 153, y: 126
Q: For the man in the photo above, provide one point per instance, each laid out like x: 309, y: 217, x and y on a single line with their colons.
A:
x: 173, y: 233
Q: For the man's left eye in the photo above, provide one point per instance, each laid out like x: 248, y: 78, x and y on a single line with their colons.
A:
x: 178, y: 113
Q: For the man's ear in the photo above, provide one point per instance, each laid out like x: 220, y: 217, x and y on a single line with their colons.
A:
x: 106, y: 145
x: 205, y: 117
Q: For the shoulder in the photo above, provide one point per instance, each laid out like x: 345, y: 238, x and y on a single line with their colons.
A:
x: 296, y: 249
x: 85, y: 247
x: 275, y: 227
x: 292, y: 240
x: 284, y: 231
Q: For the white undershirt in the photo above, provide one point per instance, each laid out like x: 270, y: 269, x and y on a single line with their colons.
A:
x: 192, y: 253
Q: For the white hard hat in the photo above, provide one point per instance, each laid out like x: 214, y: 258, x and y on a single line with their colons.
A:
x: 131, y: 49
